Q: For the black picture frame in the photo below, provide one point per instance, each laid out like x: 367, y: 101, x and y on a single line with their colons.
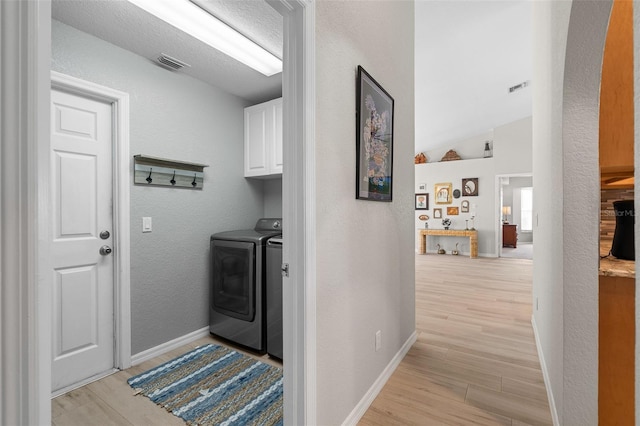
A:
x: 374, y: 140
x: 470, y: 187
x: 422, y: 202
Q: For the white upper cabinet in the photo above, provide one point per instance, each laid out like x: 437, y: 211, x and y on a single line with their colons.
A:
x: 263, y: 139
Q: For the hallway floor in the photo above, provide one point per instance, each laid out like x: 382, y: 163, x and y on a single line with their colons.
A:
x: 475, y: 360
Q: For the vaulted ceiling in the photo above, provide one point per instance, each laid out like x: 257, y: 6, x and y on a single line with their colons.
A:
x: 468, y: 54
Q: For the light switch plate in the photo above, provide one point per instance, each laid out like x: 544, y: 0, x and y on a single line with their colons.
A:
x: 146, y: 224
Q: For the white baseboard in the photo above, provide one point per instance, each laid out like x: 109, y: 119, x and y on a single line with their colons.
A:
x: 545, y: 374
x: 169, y: 346
x: 377, y: 386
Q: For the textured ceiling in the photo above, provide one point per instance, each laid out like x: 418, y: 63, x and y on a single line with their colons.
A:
x: 468, y: 53
x: 123, y: 24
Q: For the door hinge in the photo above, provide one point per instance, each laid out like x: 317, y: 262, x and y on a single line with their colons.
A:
x: 284, y: 269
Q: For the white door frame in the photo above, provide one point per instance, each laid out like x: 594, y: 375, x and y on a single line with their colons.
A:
x: 25, y: 84
x: 299, y: 200
x: 122, y: 178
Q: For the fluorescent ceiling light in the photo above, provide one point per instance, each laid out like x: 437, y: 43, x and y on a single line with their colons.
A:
x: 194, y: 21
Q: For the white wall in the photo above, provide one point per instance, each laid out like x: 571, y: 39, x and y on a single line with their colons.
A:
x: 172, y: 116
x: 365, y: 258
x: 512, y: 147
x: 484, y: 210
x: 569, y: 40
x: 551, y: 20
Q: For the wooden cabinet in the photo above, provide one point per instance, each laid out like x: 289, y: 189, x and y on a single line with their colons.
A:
x: 263, y: 140
x: 509, y: 235
x: 616, y: 93
x: 616, y: 351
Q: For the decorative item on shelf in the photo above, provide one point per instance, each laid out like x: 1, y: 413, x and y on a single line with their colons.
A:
x: 426, y: 225
x: 374, y: 140
x: 466, y: 224
x: 487, y: 150
x: 452, y: 211
x: 623, y: 246
x: 420, y: 158
x: 506, y: 211
x: 470, y: 187
x: 472, y: 226
x: 455, y: 252
x: 422, y: 201
x: 440, y: 250
x: 437, y: 213
x: 451, y: 155
x: 464, y: 207
x: 456, y: 193
x: 154, y: 171
x: 446, y: 222
x: 443, y: 193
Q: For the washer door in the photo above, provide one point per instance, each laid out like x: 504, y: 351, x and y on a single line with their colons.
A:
x: 233, y: 284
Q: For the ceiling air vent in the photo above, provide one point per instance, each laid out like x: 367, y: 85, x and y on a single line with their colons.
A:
x: 519, y: 86
x: 171, y: 63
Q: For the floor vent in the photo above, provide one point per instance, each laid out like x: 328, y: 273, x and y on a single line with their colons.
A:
x: 171, y: 63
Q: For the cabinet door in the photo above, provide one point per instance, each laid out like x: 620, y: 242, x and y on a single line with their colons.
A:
x: 263, y: 139
x: 255, y: 141
x: 276, y: 146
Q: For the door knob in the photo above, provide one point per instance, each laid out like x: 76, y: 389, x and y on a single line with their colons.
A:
x: 105, y: 250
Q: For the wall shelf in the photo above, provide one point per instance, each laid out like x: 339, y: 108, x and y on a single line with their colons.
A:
x: 155, y: 171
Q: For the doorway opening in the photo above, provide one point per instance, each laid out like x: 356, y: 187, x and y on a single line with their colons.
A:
x: 515, y: 197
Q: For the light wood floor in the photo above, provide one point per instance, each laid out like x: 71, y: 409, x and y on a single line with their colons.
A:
x: 110, y: 401
x: 475, y: 360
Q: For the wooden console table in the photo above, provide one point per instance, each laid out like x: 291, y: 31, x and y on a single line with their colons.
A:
x: 473, y: 238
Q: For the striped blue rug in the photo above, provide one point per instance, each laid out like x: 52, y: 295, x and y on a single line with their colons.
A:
x: 214, y: 385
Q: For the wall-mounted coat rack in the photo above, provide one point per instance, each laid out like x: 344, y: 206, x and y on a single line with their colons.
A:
x: 162, y: 172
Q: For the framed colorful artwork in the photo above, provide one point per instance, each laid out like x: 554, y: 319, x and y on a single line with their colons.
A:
x: 374, y: 140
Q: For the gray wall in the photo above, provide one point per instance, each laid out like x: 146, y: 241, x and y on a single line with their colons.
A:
x: 177, y: 117
x: 364, y: 250
x: 273, y: 197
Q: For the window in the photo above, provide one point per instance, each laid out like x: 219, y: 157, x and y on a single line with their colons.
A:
x: 526, y: 209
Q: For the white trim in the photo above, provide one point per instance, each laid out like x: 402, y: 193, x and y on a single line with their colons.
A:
x: 122, y: 171
x: 169, y: 346
x: 299, y: 195
x: 376, y: 387
x: 24, y: 255
x: 545, y: 374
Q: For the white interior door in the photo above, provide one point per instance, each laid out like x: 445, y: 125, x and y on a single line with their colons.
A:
x: 81, y: 212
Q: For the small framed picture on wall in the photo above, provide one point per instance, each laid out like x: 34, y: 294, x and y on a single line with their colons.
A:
x: 422, y: 201
x: 437, y: 213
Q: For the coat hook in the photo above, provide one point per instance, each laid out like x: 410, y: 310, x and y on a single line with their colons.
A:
x: 149, y: 180
x: 173, y: 179
x: 194, y: 181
